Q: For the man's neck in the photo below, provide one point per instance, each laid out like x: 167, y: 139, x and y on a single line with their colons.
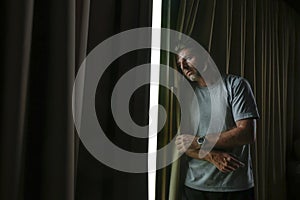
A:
x: 201, y: 82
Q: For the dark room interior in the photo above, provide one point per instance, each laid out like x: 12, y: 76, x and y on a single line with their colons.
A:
x: 46, y: 42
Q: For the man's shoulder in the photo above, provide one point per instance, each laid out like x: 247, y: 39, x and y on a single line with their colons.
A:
x: 234, y: 80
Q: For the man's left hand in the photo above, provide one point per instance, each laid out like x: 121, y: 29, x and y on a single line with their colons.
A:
x: 186, y: 142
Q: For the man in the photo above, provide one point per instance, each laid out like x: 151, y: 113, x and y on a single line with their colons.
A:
x: 225, y: 172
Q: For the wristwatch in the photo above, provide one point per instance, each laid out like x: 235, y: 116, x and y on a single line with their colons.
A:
x: 201, y: 140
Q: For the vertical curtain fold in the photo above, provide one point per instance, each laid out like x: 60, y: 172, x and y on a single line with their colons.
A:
x: 37, y: 136
x: 81, y: 35
x: 228, y: 32
x: 57, y: 164
x: 212, y: 25
x: 14, y: 83
x: 243, y: 36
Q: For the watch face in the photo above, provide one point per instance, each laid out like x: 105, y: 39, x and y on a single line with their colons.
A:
x: 200, y: 140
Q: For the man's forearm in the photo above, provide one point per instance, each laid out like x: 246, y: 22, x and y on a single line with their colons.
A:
x: 195, y: 154
x: 244, y: 133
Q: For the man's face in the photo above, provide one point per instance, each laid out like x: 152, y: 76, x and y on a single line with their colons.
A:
x: 187, y: 61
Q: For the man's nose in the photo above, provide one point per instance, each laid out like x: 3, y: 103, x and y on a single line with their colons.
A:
x: 183, y: 64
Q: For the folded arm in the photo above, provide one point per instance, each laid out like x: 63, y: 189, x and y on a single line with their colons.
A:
x: 225, y: 162
x: 243, y: 133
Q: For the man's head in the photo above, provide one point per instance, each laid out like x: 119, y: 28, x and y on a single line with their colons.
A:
x: 195, y: 63
x: 188, y: 62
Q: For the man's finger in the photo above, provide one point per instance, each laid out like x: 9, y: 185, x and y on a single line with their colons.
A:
x: 225, y: 169
x: 178, y: 138
x: 229, y: 169
x: 182, y: 149
x: 231, y: 166
x: 235, y: 161
x: 177, y: 142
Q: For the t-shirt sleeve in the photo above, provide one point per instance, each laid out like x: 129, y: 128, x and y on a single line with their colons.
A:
x: 243, y: 101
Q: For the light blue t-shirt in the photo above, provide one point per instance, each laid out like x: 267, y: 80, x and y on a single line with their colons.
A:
x: 220, y: 106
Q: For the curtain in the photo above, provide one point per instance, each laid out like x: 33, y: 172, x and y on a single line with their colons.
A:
x: 257, y: 40
x: 94, y: 179
x: 37, y: 138
x: 44, y: 43
x: 169, y: 179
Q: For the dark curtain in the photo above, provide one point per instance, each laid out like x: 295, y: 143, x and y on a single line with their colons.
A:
x: 258, y: 40
x: 44, y: 43
x: 94, y: 179
x: 37, y: 136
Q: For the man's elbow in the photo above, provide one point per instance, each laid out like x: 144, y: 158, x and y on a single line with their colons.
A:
x: 248, y: 127
x: 251, y: 137
x: 252, y: 132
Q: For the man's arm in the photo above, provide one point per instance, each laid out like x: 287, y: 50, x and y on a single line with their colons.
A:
x: 223, y: 161
x: 243, y: 133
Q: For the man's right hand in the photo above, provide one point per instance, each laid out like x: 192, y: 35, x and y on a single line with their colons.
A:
x: 185, y: 142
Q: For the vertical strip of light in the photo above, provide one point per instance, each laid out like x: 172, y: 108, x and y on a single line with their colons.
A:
x: 154, y: 92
